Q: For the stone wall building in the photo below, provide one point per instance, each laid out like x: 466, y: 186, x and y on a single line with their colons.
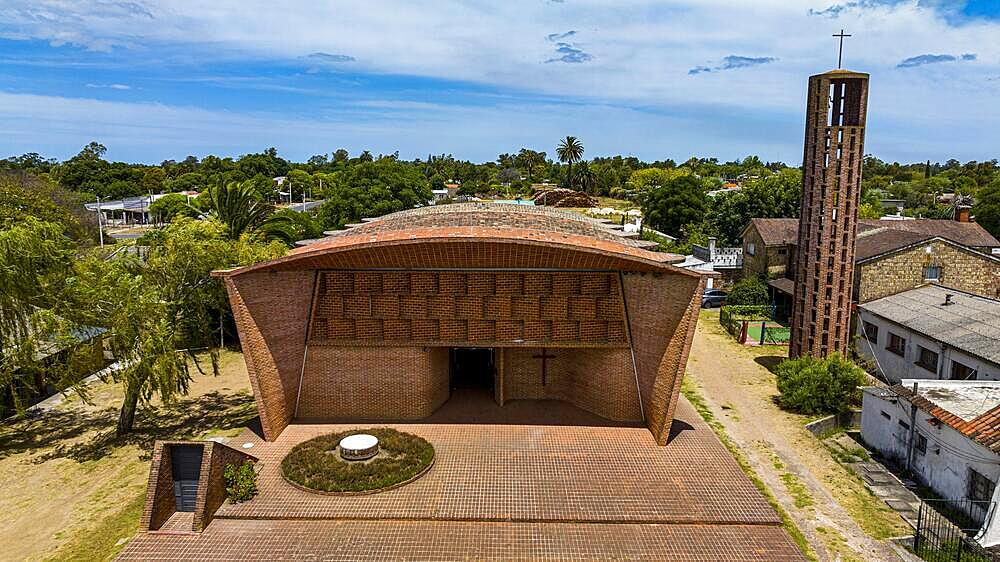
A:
x: 382, y: 320
x: 890, y: 256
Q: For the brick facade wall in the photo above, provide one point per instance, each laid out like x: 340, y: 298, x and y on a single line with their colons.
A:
x: 960, y: 269
x: 373, y: 382
x: 272, y: 311
x: 597, y: 380
x: 379, y: 339
x: 662, y: 313
x: 212, y: 485
x: 160, y: 502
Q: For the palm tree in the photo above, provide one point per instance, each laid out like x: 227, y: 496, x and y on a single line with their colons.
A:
x: 570, y: 150
x: 586, y: 178
x: 238, y: 206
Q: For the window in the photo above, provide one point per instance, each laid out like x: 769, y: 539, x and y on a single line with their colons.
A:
x: 870, y: 331
x: 928, y: 359
x: 932, y: 273
x: 886, y: 415
x: 980, y: 488
x: 782, y: 251
x: 960, y: 372
x: 904, y: 425
x: 920, y: 444
x: 751, y: 248
x: 896, y: 344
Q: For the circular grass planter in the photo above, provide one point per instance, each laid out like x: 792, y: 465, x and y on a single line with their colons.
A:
x: 316, y: 466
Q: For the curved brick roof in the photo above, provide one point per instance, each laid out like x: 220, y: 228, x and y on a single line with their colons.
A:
x: 475, y: 235
x: 496, y: 215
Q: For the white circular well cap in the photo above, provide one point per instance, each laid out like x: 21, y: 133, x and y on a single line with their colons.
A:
x: 358, y: 442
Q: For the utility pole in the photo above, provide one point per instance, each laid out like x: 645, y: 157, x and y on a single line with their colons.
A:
x: 913, y: 428
x: 100, y: 229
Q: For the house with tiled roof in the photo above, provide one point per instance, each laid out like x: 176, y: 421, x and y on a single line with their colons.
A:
x: 891, y: 256
x: 947, y: 433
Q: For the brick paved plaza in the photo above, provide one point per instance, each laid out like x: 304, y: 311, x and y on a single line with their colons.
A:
x: 506, y: 486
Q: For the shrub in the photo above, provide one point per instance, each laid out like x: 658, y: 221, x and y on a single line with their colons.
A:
x: 316, y: 463
x: 241, y: 481
x: 749, y: 291
x: 819, y: 386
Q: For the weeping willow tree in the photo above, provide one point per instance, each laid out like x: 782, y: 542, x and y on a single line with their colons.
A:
x: 162, y: 311
x: 34, y: 255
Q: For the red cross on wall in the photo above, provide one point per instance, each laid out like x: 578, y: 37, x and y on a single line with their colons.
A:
x: 544, y: 355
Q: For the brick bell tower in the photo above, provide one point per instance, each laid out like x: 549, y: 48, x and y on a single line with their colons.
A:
x: 831, y: 186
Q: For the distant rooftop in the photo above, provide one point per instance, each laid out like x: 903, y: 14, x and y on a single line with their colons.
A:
x: 970, y: 407
x: 969, y: 322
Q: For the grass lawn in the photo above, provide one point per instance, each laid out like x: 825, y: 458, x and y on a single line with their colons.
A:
x: 74, y: 492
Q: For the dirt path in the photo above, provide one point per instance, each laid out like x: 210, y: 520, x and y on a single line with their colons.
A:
x: 834, y: 510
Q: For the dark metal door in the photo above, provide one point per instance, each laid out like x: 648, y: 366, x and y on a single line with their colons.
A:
x: 185, y: 462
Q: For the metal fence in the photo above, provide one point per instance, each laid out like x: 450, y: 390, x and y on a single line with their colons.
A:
x: 945, y: 531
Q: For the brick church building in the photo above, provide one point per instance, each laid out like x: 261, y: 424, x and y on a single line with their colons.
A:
x: 382, y: 320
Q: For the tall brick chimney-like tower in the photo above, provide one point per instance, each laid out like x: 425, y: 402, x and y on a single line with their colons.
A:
x: 831, y: 186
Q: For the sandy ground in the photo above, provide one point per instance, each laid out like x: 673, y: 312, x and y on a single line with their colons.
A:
x: 826, y: 502
x: 62, y: 478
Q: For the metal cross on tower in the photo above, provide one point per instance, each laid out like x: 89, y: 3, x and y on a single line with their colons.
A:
x: 840, y: 54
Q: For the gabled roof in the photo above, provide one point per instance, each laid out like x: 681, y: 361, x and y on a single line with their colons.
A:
x: 969, y: 322
x: 876, y: 237
x: 775, y: 232
x: 881, y: 244
x: 970, y: 407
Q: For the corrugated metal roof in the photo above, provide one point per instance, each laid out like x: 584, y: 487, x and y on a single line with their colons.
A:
x: 970, y: 323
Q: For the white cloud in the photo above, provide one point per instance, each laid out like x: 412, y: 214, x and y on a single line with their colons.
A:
x: 111, y: 86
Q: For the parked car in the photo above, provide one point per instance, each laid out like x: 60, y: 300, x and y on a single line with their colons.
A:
x: 713, y: 298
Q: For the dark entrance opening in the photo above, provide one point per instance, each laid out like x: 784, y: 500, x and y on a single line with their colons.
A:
x: 185, y: 463
x: 472, y: 368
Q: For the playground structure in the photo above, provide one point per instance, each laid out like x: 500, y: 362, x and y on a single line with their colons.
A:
x: 754, y: 325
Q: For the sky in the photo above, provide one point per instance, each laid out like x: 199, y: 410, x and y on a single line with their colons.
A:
x: 655, y: 79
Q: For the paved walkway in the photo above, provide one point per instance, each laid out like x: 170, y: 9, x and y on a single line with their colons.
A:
x: 505, y: 491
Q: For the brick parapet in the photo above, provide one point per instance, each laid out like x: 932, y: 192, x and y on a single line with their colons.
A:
x: 961, y: 268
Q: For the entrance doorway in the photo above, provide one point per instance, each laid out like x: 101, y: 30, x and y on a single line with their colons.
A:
x: 472, y: 368
x: 185, y: 464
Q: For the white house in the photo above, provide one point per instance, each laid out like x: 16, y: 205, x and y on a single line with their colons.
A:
x: 931, y: 332
x: 948, y: 434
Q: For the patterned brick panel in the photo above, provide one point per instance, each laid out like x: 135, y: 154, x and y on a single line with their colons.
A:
x: 373, y: 383
x: 600, y: 381
x: 272, y: 311
x: 662, y: 315
x: 464, y: 308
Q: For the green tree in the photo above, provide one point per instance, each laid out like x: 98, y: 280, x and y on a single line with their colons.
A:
x: 641, y: 182
x: 679, y: 202
x: 987, y: 208
x: 819, y: 386
x: 570, y: 150
x: 160, y: 310
x: 372, y: 189
x: 774, y: 196
x: 171, y: 206
x: 288, y: 227
x: 152, y: 180
x: 34, y: 256
x: 749, y: 291
x: 238, y: 206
